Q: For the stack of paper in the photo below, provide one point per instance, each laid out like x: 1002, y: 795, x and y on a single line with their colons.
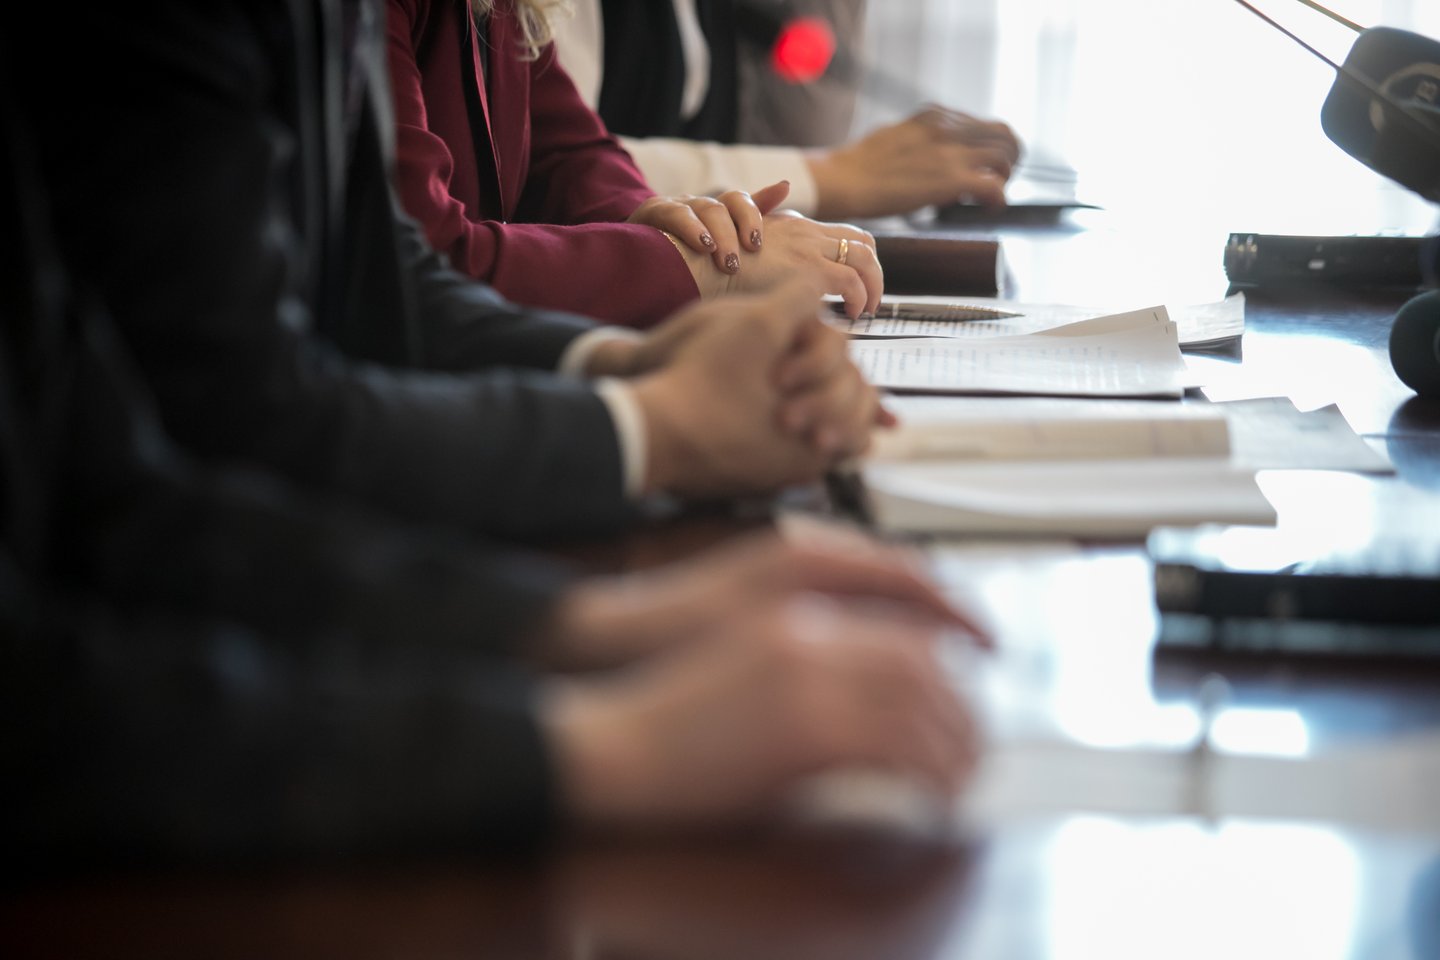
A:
x: 973, y: 318
x: 1092, y: 499
x: 1098, y: 469
x: 1134, y: 354
x: 1093, y: 468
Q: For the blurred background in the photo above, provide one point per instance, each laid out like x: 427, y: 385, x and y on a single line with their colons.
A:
x: 1132, y: 99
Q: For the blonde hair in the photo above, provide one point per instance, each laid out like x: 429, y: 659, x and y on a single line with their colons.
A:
x: 535, y: 19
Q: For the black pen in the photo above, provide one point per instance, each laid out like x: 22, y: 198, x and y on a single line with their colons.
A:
x: 846, y: 489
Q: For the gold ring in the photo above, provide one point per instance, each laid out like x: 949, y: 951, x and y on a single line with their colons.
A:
x: 844, y: 251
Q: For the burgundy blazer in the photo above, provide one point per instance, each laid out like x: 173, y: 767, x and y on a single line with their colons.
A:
x: 532, y: 200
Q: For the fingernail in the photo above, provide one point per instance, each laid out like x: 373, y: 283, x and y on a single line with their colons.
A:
x: 755, y: 238
x: 732, y: 262
x: 707, y: 241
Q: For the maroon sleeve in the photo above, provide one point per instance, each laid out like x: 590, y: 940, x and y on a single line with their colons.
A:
x: 573, y: 256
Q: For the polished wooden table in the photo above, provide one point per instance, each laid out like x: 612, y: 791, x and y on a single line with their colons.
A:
x: 1080, y: 625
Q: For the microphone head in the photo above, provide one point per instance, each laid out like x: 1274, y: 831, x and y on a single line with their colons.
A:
x: 1375, y: 131
x: 1415, y: 344
x: 803, y: 50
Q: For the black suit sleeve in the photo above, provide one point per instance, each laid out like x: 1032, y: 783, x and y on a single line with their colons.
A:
x: 199, y: 663
x: 152, y: 736
x: 143, y: 526
x: 174, y: 172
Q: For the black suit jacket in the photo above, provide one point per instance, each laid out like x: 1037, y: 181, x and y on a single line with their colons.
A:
x: 198, y: 662
x: 220, y: 177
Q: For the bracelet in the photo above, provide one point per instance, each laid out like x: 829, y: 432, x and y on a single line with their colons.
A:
x: 684, y: 253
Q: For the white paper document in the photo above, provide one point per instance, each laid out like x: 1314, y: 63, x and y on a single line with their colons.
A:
x: 1049, y: 428
x: 1265, y: 434
x: 1272, y: 434
x: 1128, y: 355
x: 1091, y: 499
x: 1197, y: 325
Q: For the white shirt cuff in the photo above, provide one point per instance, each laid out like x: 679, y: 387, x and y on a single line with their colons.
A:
x: 577, y: 355
x: 630, y: 433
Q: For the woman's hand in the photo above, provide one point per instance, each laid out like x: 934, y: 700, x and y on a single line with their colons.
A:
x: 778, y: 245
x: 935, y: 156
x: 715, y: 227
x: 835, y: 258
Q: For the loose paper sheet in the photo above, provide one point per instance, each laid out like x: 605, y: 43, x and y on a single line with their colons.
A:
x: 1132, y: 355
x: 1272, y: 434
x: 1197, y: 325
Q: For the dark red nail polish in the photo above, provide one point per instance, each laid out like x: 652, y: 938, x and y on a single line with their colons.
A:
x: 732, y: 262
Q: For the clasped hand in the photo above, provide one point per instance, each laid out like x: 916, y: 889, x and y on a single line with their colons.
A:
x: 742, y: 243
x: 746, y: 395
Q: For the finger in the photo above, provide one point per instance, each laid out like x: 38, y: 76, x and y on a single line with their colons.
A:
x: 994, y: 134
x: 846, y: 284
x: 813, y: 360
x: 718, y: 220
x: 746, y: 216
x: 979, y: 186
x: 860, y: 257
x: 838, y: 414
x: 882, y: 573
x: 680, y: 221
x: 782, y: 320
x: 857, y: 434
x: 980, y: 161
x: 767, y: 199
x: 849, y: 231
x: 820, y: 416
x: 885, y: 418
x: 946, y: 726
x: 898, y: 714
x: 962, y: 128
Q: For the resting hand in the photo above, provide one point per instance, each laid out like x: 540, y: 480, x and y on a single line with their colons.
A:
x: 714, y: 412
x: 936, y: 156
x: 714, y: 229
x: 611, y: 620
x: 835, y: 257
x: 716, y: 732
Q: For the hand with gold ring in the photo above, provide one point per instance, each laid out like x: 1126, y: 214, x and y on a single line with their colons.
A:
x: 836, y: 258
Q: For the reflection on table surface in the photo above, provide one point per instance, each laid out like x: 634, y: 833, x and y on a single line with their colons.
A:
x: 1074, y: 887
x: 1077, y: 625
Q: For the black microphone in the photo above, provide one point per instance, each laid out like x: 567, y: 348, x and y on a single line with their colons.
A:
x: 1398, y: 133
x: 1384, y: 110
x: 1384, y: 107
x: 1415, y: 344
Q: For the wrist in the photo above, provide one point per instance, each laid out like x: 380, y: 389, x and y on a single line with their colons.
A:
x: 832, y: 186
x: 613, y: 358
x: 598, y: 622
x: 600, y: 752
x: 710, y: 281
x: 667, y: 452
